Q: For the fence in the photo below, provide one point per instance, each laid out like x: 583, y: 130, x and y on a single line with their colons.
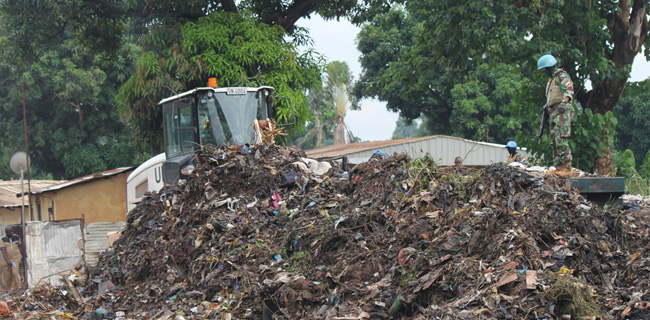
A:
x: 54, y: 247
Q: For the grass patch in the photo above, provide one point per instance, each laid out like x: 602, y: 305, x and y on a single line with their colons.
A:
x: 572, y: 296
x: 637, y: 185
x: 460, y: 182
x: 298, y: 262
x: 408, y: 276
x: 421, y: 172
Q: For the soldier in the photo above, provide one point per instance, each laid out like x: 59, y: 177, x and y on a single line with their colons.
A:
x: 513, y: 155
x: 559, y: 97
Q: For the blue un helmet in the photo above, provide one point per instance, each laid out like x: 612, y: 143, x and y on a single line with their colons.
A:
x: 511, y: 144
x: 546, y: 61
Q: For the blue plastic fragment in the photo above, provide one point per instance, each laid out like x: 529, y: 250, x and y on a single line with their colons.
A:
x: 380, y: 153
x: 522, y: 271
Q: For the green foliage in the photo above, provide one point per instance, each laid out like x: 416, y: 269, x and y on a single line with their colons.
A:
x: 624, y: 163
x: 422, y: 171
x: 298, y: 262
x: 633, y: 114
x: 591, y: 137
x: 105, y: 25
x: 235, y: 49
x: 73, y: 128
x: 34, y: 27
x: 405, y: 128
x: 636, y: 182
x: 482, y: 107
x: 240, y: 42
x: 387, y: 45
x: 444, y: 60
x: 645, y: 167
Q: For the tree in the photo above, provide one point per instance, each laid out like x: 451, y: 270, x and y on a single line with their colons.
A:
x: 633, y: 114
x: 478, y: 105
x: 170, y: 60
x: 234, y: 48
x: 405, y: 129
x: 73, y: 127
x: 594, y: 41
x: 342, y: 104
x: 483, y: 108
x: 387, y: 45
x: 102, y: 24
x: 324, y: 103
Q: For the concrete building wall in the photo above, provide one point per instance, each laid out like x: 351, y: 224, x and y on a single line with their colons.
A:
x: 10, y: 216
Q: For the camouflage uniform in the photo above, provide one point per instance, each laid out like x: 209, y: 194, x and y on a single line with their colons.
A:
x: 517, y: 158
x: 557, y: 88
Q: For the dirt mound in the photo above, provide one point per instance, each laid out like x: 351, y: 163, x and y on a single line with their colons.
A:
x: 254, y: 233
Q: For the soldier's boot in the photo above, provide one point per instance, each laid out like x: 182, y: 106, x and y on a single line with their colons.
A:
x: 564, y: 170
x: 552, y: 172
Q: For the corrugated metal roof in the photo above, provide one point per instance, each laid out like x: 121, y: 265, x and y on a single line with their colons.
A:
x: 83, y: 179
x: 342, y: 149
x: 443, y: 149
x: 10, y: 191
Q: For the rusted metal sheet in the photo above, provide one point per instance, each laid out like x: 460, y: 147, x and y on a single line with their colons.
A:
x: 52, y: 248
x: 611, y: 185
x: 97, y: 239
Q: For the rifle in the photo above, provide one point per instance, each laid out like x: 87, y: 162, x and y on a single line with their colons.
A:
x: 543, y: 123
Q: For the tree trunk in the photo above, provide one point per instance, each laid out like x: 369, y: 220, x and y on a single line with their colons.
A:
x: 339, y: 133
x: 312, y: 133
x: 77, y: 106
x: 308, y: 136
x: 290, y: 16
x: 603, y: 165
x: 319, y: 131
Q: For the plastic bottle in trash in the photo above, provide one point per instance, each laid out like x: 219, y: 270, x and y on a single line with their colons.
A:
x: 397, y: 305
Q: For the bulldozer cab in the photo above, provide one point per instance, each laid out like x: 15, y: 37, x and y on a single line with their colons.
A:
x: 203, y: 116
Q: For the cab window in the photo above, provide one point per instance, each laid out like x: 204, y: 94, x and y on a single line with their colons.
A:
x: 179, y: 131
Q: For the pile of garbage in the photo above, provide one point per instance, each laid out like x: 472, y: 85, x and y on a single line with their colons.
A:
x: 261, y: 232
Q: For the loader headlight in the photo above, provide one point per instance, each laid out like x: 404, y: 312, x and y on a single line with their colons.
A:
x: 187, y: 170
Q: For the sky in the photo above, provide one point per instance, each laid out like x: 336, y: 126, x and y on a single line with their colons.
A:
x: 336, y: 40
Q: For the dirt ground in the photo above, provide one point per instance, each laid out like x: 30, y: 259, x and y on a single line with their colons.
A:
x: 253, y: 233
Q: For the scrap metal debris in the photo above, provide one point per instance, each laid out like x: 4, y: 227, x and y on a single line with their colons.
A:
x: 253, y: 233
